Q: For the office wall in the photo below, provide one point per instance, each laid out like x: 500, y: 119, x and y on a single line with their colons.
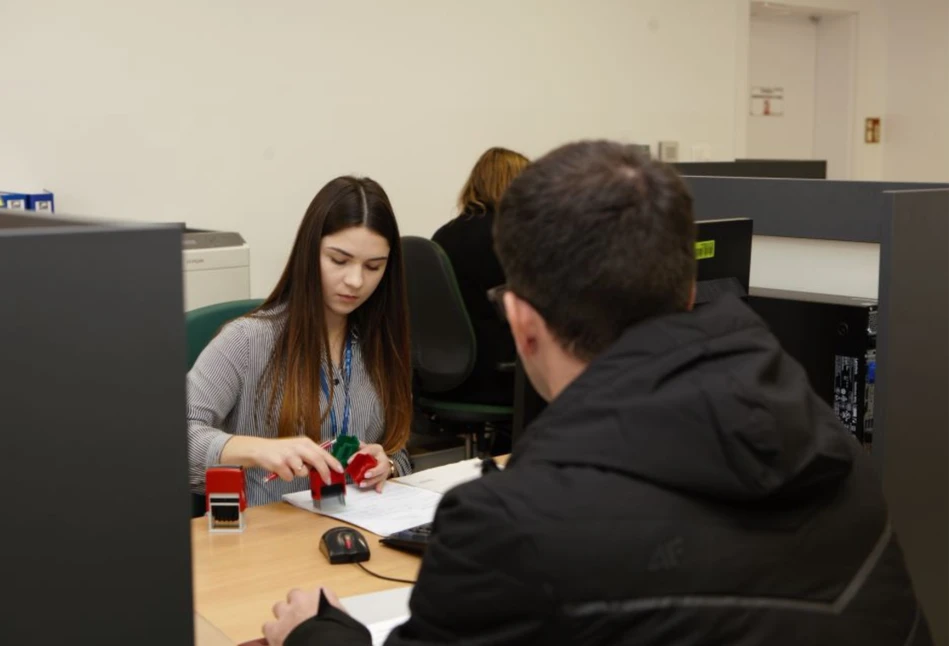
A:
x: 822, y: 266
x: 783, y: 53
x: 834, y: 139
x: 232, y: 115
x: 902, y: 49
x: 916, y: 123
x: 742, y: 76
x: 870, y: 82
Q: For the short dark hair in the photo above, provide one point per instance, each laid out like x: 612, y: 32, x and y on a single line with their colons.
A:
x: 597, y: 237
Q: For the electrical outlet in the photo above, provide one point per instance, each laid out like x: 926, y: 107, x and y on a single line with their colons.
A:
x: 701, y: 152
x: 669, y: 151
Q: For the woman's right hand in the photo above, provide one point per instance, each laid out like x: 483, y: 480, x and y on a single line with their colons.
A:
x: 289, y: 457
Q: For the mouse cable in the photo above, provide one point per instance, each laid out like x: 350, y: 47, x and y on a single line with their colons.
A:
x: 384, y: 578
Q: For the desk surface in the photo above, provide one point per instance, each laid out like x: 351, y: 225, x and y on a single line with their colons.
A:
x: 238, y: 577
x: 207, y: 635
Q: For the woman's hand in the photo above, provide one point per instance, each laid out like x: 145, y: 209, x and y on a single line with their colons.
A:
x: 289, y: 457
x: 292, y: 458
x: 377, y: 476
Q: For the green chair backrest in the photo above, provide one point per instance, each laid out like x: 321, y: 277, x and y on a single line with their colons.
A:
x: 203, y: 324
x: 444, y: 345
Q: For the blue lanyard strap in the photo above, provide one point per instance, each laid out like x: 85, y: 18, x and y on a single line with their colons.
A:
x: 347, y: 374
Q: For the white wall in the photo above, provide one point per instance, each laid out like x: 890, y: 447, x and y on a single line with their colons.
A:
x: 742, y: 52
x: 783, y: 53
x: 834, y: 88
x: 915, y: 128
x: 821, y: 266
x: 870, y: 83
x: 232, y: 115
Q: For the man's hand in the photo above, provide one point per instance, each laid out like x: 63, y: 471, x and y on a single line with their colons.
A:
x: 298, y: 607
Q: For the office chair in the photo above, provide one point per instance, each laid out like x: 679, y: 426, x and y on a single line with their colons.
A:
x: 202, y: 325
x: 444, y: 346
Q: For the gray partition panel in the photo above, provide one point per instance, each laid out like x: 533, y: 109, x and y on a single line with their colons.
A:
x: 911, y: 435
x: 799, y: 208
x: 96, y: 528
x: 19, y: 219
x: 802, y: 169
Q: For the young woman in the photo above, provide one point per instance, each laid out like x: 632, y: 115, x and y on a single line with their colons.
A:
x: 469, y: 243
x: 326, y: 355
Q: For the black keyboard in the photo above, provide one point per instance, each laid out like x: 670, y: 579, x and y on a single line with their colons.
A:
x: 412, y: 540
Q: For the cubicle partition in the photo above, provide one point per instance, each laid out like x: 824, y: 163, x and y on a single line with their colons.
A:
x: 912, y: 391
x: 773, y: 168
x: 96, y: 532
x: 800, y: 208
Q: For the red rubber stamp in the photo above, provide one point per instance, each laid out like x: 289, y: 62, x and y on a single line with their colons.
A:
x: 226, y: 497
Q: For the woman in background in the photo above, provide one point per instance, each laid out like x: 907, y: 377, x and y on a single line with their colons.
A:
x: 327, y: 354
x: 469, y: 244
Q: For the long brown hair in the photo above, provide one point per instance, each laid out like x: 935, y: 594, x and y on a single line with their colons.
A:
x: 492, y: 174
x: 382, y: 321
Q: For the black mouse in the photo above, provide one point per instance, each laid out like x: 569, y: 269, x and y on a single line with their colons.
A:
x: 344, y: 545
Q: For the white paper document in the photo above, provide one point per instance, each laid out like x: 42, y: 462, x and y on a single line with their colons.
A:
x: 380, y: 630
x: 398, y: 507
x: 381, y: 612
x: 441, y: 479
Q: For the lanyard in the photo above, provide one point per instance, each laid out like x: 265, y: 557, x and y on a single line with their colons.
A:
x: 347, y: 373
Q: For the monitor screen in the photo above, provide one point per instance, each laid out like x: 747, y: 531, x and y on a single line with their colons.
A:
x: 723, y: 255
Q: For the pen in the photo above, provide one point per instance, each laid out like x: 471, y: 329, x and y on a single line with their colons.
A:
x: 273, y: 476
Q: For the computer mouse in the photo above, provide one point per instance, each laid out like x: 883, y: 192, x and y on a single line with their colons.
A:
x: 344, y: 545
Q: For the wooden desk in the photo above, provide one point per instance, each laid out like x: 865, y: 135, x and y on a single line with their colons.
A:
x: 207, y: 635
x: 238, y: 577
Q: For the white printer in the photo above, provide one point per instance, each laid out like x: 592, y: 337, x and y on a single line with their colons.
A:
x: 216, y: 267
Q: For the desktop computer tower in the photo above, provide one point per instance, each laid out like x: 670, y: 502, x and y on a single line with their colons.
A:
x: 834, y: 339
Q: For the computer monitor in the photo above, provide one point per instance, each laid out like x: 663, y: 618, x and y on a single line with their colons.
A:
x: 723, y: 253
x: 96, y: 522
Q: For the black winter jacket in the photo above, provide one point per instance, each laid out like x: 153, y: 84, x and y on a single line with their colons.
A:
x: 688, y: 488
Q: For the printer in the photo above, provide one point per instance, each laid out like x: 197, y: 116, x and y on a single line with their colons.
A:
x: 216, y: 267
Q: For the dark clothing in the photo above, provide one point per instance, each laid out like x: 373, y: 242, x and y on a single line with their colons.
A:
x: 329, y: 626
x: 688, y: 488
x: 469, y: 243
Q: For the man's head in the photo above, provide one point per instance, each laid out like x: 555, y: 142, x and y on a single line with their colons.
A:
x: 593, y: 237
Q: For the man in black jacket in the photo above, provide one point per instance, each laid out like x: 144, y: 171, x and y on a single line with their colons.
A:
x: 685, y: 485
